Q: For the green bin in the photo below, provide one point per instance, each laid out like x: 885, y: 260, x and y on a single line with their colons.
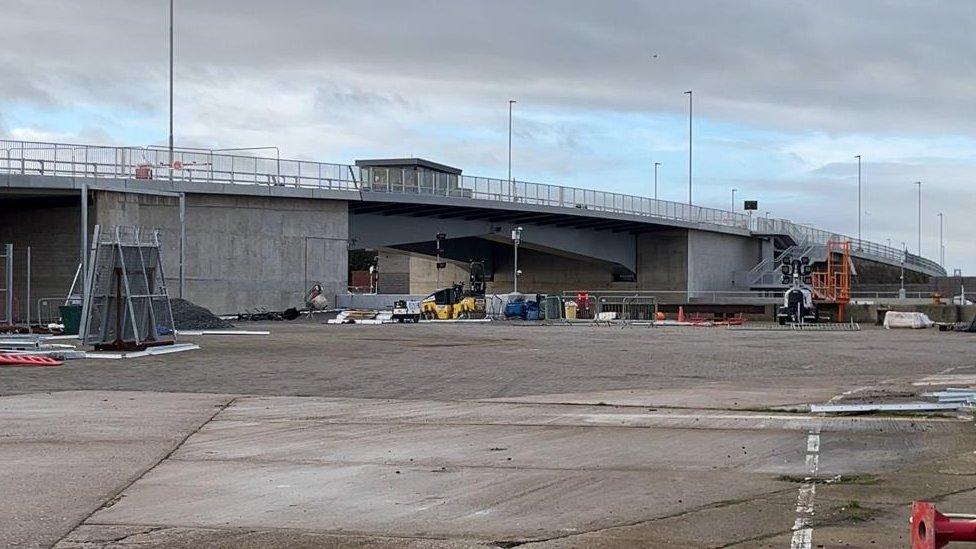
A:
x: 71, y: 318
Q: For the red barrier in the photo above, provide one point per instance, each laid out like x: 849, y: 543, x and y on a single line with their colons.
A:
x: 932, y: 530
x: 28, y: 360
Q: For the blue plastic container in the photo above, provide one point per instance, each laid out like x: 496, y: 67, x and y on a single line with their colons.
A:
x: 515, y: 309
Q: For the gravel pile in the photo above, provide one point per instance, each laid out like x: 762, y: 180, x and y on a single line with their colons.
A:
x: 188, y: 316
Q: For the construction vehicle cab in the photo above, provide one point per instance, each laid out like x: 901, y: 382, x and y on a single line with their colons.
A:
x: 456, y: 302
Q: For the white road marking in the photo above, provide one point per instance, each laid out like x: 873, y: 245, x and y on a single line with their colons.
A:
x: 813, y: 443
x: 802, y: 536
x: 802, y: 531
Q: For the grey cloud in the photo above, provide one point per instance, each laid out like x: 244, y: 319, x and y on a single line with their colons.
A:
x: 831, y: 65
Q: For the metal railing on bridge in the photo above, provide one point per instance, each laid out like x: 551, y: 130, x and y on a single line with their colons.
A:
x: 210, y: 166
x: 807, y: 236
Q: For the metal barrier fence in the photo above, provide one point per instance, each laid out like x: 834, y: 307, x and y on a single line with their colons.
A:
x: 665, y: 297
x: 7, y: 282
x: 48, y: 310
x: 895, y: 295
x: 210, y: 166
x: 629, y: 308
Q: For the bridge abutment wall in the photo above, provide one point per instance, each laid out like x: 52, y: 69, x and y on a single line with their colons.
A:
x: 242, y: 252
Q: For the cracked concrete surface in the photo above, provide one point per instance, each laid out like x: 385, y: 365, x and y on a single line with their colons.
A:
x: 63, y: 455
x: 378, y: 473
x: 701, y: 462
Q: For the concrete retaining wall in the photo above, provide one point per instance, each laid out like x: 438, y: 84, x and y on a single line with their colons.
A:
x: 243, y: 252
x: 53, y: 235
x: 869, y: 313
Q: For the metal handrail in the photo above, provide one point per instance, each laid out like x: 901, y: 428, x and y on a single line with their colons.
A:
x: 203, y: 166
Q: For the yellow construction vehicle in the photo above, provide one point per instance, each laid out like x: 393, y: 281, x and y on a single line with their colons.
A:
x: 456, y: 302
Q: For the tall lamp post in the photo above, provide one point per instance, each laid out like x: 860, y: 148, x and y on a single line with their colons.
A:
x: 689, y: 144
x: 919, y: 183
x: 904, y: 256
x: 941, y: 245
x: 171, y: 90
x: 182, y: 203
x: 516, y: 240
x: 656, y: 164
x: 510, y: 181
x: 859, y: 208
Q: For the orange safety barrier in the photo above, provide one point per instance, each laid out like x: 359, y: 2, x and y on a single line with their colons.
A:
x: 29, y: 360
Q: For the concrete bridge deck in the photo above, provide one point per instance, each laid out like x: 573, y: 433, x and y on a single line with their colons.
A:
x: 205, y: 172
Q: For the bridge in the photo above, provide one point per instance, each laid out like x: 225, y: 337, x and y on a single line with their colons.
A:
x: 261, y: 228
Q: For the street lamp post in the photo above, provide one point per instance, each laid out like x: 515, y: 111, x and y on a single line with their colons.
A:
x: 733, y: 200
x: 171, y: 90
x: 904, y: 256
x: 516, y: 240
x: 657, y: 205
x: 919, y: 183
x: 941, y: 245
x: 859, y: 208
x: 510, y: 181
x: 656, y: 164
x: 689, y: 144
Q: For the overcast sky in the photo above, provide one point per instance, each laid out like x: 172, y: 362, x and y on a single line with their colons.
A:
x: 786, y: 93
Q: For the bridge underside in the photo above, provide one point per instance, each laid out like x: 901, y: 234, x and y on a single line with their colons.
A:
x: 557, y: 251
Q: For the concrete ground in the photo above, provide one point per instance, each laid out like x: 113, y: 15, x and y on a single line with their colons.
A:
x: 475, y: 435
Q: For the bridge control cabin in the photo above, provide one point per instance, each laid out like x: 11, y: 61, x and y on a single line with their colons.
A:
x: 411, y: 175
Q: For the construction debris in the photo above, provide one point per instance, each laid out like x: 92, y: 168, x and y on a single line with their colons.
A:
x: 967, y: 396
x: 150, y: 351
x: 892, y: 407
x: 221, y: 332
x: 189, y: 316
x: 958, y: 326
x: 362, y: 316
x: 264, y: 315
x: 952, y: 398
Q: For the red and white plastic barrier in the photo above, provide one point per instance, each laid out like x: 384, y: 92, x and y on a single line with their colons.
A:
x: 28, y: 360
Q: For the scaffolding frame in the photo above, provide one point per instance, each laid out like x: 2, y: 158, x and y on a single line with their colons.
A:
x: 834, y: 284
x: 126, y: 304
